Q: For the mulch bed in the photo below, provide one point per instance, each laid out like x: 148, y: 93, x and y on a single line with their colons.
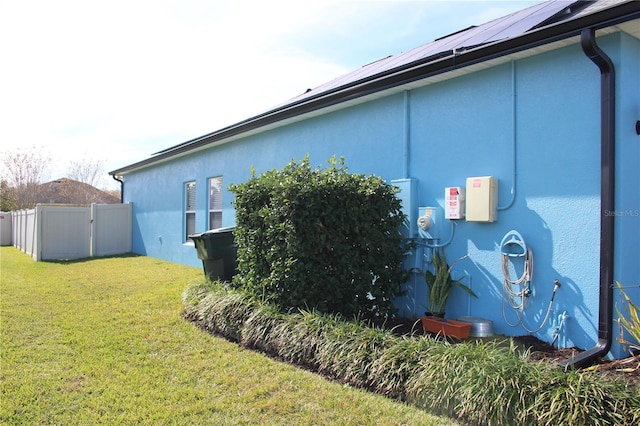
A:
x: 628, y: 368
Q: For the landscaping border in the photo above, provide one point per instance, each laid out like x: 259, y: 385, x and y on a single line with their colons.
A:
x: 478, y: 383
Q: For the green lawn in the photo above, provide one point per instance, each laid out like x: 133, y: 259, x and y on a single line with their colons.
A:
x: 102, y: 341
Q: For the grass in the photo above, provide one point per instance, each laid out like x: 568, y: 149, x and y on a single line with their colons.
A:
x: 102, y: 341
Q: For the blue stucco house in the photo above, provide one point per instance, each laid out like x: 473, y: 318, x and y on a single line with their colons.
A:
x: 533, y: 118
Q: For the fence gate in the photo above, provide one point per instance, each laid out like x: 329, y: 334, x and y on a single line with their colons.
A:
x: 110, y: 229
x: 65, y: 232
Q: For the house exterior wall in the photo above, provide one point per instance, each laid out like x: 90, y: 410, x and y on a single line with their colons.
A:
x: 533, y: 124
x: 627, y: 213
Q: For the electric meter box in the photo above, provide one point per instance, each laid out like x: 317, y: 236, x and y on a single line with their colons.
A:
x: 454, y: 202
x: 429, y: 222
x: 482, y: 199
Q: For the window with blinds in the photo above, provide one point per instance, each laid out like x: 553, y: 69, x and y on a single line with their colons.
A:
x: 190, y: 209
x: 215, y: 202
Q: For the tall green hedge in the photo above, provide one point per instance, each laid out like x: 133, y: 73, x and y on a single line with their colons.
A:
x: 320, y: 239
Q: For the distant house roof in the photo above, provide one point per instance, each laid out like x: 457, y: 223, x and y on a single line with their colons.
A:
x: 458, y: 53
x: 69, y: 191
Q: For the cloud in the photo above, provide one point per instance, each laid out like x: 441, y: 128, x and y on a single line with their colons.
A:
x: 120, y: 80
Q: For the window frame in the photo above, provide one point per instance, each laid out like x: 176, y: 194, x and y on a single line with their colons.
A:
x: 213, y: 209
x: 190, y: 192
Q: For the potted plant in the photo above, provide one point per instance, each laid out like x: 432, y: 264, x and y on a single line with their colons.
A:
x: 440, y: 284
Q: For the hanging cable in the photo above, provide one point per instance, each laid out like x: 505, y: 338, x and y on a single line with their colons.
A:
x: 517, y: 296
x: 516, y: 292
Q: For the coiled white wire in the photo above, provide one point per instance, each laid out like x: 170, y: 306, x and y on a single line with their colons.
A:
x: 517, y: 297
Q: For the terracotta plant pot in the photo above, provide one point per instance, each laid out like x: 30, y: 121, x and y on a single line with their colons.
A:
x: 446, y: 327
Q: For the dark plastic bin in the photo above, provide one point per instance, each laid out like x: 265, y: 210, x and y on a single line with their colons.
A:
x: 218, y: 253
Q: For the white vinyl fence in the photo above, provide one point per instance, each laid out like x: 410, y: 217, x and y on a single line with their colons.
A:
x: 51, y: 232
x: 5, y: 228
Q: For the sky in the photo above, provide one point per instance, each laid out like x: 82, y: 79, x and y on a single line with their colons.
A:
x: 119, y: 80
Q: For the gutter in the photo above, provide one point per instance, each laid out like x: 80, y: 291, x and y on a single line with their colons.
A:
x: 427, y: 67
x: 607, y: 192
x: 119, y: 179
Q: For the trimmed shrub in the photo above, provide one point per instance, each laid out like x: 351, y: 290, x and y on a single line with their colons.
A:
x: 323, y: 240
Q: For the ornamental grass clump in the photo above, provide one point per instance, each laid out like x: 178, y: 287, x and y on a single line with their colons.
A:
x: 476, y: 382
x: 579, y: 397
x: 193, y: 295
x: 629, y: 321
x: 225, y: 313
x: 487, y: 384
x: 301, y: 335
x: 391, y: 369
x: 263, y: 327
x: 349, y: 350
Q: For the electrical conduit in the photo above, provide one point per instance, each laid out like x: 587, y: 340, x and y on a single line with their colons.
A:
x: 406, y: 136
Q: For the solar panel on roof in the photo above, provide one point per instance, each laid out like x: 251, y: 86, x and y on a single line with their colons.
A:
x: 509, y: 26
